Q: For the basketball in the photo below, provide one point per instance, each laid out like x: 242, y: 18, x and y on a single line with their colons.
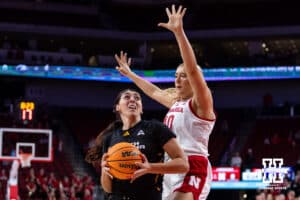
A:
x: 122, y: 159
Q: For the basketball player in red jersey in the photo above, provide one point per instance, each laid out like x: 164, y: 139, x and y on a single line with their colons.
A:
x: 191, y: 115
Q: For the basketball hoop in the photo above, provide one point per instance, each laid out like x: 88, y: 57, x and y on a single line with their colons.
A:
x: 25, y: 159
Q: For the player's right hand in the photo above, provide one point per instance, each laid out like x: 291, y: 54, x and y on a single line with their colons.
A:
x: 105, y: 168
x: 124, y: 63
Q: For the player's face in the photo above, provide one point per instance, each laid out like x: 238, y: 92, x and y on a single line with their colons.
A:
x: 182, y: 85
x: 130, y: 103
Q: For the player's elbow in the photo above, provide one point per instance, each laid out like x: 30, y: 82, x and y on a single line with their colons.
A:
x: 185, y: 167
x: 106, y: 185
x: 106, y: 188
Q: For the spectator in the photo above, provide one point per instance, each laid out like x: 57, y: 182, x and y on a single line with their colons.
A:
x: 93, y: 62
x: 290, y: 195
x: 224, y: 127
x: 42, y: 183
x: 249, y: 160
x: 73, y: 194
x: 41, y: 176
x: 31, y: 187
x: 53, y: 182
x: 260, y: 195
x: 279, y: 197
x: 236, y: 160
x: 269, y: 196
x: 51, y: 194
x: 296, y: 184
x: 62, y: 195
x: 77, y: 184
x: 65, y: 185
x: 87, y: 195
x: 89, y: 184
x: 3, y: 183
x: 31, y: 176
x: 286, y: 183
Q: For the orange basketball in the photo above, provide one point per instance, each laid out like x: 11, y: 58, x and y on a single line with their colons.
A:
x: 121, y: 160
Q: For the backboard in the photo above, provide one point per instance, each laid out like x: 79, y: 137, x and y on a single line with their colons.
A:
x: 14, y: 141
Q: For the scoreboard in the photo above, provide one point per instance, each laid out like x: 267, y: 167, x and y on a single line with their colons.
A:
x: 26, y: 110
x: 233, y: 178
x: 226, y: 173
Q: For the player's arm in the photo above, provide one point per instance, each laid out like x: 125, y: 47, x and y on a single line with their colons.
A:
x: 177, y: 164
x: 147, y: 87
x: 106, y: 178
x: 202, y: 99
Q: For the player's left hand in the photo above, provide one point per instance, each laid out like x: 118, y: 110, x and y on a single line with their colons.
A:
x: 144, y: 167
x: 175, y: 23
x: 123, y: 63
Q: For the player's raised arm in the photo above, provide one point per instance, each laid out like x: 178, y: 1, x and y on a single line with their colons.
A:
x: 202, y: 98
x: 147, y: 87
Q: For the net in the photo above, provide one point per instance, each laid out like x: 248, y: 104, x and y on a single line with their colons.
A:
x: 25, y: 159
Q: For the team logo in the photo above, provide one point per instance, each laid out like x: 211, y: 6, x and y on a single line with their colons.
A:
x: 272, y: 170
x: 141, y: 132
x: 195, y: 182
x: 126, y: 133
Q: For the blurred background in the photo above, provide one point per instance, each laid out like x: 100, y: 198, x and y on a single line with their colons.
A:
x: 257, y: 118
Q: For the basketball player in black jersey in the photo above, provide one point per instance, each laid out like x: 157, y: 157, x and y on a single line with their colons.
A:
x: 152, y: 138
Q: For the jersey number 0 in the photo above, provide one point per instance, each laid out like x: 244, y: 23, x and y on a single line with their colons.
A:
x: 168, y: 121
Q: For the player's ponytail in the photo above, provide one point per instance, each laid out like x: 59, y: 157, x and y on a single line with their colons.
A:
x: 94, y: 154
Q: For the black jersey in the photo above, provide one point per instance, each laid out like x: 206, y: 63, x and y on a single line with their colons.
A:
x: 149, y: 137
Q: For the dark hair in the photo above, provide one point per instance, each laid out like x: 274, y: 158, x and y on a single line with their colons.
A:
x: 94, y: 154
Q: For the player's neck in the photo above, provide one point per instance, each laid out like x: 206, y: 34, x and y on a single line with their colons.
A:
x: 183, y: 98
x: 130, y: 122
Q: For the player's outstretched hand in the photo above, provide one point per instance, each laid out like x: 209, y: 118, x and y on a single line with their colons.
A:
x: 123, y: 63
x: 175, y: 23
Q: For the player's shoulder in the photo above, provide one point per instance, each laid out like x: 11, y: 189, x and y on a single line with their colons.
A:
x: 152, y: 123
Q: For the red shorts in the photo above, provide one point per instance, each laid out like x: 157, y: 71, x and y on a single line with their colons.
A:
x: 13, y: 192
x: 198, y: 178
